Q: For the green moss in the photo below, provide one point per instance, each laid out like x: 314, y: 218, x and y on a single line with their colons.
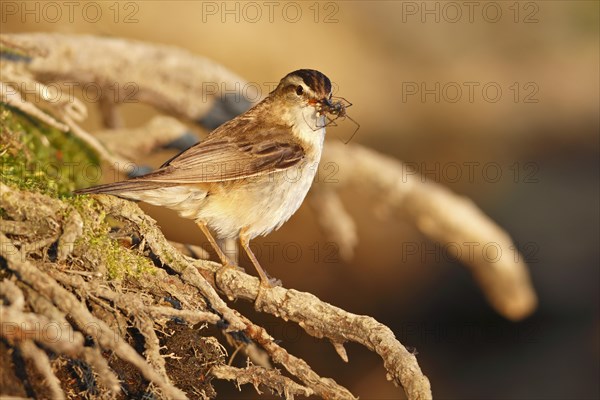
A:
x: 35, y: 157
x: 96, y: 245
x: 39, y: 158
x: 118, y: 260
x: 124, y: 262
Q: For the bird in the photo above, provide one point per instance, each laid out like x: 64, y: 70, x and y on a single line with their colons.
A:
x: 249, y: 175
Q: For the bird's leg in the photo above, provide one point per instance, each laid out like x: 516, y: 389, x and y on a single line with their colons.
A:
x: 222, y: 256
x: 245, y: 242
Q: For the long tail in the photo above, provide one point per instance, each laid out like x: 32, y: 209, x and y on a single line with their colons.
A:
x: 123, y: 188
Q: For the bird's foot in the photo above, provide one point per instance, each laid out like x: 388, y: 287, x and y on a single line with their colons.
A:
x: 263, y: 287
x: 225, y: 267
x: 273, y: 282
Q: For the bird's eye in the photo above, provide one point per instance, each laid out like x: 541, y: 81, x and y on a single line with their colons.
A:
x: 299, y: 90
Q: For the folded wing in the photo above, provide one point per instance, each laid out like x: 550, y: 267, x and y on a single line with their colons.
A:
x: 216, y: 159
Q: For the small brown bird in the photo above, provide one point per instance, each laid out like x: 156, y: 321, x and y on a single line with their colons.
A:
x: 251, y: 174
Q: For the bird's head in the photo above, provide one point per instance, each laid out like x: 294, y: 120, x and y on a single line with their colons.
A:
x: 306, y: 88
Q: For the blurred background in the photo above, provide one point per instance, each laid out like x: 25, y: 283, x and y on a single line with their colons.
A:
x: 499, y: 101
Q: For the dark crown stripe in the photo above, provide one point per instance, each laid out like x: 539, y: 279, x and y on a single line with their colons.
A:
x: 315, y: 80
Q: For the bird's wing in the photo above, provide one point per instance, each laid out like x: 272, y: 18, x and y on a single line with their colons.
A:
x: 224, y: 158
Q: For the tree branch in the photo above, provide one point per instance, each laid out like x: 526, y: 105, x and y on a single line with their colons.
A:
x: 316, y: 317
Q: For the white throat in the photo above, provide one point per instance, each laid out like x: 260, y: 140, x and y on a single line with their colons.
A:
x: 307, y: 126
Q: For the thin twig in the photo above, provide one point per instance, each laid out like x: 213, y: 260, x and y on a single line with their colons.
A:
x: 257, y: 376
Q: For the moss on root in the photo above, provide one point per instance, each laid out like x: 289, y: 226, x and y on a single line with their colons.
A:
x: 118, y: 259
x: 38, y: 158
x: 43, y: 159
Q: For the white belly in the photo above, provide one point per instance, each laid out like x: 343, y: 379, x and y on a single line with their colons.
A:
x: 261, y: 206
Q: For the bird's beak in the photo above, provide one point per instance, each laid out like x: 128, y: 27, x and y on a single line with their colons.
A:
x: 323, y: 105
x: 326, y: 102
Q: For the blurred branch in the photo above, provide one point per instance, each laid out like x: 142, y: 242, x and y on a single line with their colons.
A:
x: 14, y: 99
x: 134, y: 143
x: 182, y: 83
x: 69, y: 109
x: 337, y: 224
x: 442, y: 216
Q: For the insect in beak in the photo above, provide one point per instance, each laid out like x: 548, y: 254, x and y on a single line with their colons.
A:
x: 333, y: 109
x: 324, y: 105
x: 337, y: 109
x: 326, y: 102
